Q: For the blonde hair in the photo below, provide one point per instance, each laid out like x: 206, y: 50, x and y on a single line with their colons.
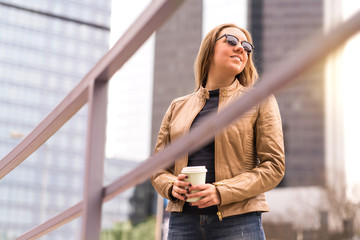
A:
x: 206, y: 52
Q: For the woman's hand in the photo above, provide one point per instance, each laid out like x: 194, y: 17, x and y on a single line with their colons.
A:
x: 208, y: 192
x: 180, y: 187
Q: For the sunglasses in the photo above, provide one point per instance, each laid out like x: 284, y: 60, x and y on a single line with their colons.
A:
x: 233, y: 41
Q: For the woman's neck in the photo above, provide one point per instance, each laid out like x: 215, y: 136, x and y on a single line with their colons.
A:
x: 216, y: 81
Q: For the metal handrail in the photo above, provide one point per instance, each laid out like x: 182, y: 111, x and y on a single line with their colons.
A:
x: 272, y: 81
x: 93, y: 90
x: 127, y: 45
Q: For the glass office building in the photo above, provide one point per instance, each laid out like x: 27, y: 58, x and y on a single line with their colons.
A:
x: 46, y: 48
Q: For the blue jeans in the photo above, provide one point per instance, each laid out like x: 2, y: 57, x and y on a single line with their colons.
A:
x: 208, y: 227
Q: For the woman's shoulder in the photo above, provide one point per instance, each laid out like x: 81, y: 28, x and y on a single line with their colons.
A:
x: 182, y: 99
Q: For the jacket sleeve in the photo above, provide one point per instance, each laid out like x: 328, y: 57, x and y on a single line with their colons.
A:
x: 163, y: 180
x: 269, y: 147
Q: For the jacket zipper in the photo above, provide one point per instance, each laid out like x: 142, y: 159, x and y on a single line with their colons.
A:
x: 188, y: 130
x: 219, y: 215
x: 218, y: 212
x: 189, y: 126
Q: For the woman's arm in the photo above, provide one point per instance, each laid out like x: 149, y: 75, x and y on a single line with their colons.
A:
x: 269, y: 148
x: 163, y: 180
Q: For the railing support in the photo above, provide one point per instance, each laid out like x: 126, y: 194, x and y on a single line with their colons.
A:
x: 87, y: 91
x: 94, y: 165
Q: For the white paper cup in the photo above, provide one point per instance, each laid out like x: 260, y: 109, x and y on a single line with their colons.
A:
x: 196, y: 176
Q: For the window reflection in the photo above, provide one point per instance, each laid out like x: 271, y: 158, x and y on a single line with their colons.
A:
x: 41, y: 60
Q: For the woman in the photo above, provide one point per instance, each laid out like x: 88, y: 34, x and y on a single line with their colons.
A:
x: 244, y: 161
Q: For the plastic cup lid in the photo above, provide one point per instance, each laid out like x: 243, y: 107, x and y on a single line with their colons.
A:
x: 195, y: 169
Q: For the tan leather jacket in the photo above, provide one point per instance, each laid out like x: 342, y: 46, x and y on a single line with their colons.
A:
x: 249, y: 154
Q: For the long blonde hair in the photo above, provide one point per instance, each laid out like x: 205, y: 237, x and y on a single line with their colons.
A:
x: 206, y: 52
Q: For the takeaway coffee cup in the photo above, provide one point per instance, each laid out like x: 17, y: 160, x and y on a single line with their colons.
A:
x: 196, y: 176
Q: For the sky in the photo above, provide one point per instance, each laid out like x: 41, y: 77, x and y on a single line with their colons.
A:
x: 350, y: 82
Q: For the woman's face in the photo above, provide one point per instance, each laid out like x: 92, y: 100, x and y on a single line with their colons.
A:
x: 229, y: 59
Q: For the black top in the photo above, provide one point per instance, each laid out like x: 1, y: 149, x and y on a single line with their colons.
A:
x: 205, y: 156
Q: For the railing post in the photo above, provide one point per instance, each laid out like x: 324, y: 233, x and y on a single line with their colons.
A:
x: 94, y: 165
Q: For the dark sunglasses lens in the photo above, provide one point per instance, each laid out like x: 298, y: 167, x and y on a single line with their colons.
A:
x: 247, y: 46
x: 232, y: 40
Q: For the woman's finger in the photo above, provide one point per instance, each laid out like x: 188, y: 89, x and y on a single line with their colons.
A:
x: 180, y: 187
x: 206, y: 202
x: 178, y: 193
x: 208, y: 193
x: 180, y: 190
x: 180, y: 182
x: 182, y: 176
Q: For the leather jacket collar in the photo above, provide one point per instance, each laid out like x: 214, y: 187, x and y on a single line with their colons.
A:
x: 225, y: 91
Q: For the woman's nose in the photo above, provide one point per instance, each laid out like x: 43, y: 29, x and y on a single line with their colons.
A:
x: 239, y: 48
